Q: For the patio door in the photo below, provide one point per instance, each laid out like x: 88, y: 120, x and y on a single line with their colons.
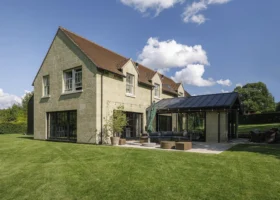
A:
x: 62, y: 125
x: 134, y: 126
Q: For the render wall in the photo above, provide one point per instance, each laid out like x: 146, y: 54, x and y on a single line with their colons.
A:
x: 63, y: 55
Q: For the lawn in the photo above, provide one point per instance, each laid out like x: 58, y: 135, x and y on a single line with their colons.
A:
x: 262, y: 127
x: 31, y: 169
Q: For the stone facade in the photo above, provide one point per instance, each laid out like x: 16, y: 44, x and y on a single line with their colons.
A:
x: 63, y: 55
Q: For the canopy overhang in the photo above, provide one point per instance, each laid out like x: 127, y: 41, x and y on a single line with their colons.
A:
x: 211, y: 102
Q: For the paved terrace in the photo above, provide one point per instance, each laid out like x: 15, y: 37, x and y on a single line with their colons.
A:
x: 197, y: 147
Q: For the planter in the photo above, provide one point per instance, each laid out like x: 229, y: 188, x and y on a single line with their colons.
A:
x: 115, y: 141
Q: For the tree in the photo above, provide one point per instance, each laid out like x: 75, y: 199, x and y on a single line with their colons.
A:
x: 256, y: 97
x: 25, y: 101
x: 278, y: 106
x: 116, y: 122
x: 11, y: 114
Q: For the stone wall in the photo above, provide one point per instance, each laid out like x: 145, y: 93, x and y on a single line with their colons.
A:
x: 63, y: 55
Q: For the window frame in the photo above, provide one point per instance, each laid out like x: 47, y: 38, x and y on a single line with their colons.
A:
x: 157, y: 90
x: 46, y: 86
x: 130, y: 85
x: 70, y: 83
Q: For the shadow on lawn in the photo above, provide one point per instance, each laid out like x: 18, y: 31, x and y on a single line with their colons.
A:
x: 27, y: 137
x: 266, y: 149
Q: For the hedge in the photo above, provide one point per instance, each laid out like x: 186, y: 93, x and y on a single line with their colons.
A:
x: 264, y: 118
x: 13, y: 128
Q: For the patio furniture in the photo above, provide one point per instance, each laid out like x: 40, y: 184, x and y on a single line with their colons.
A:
x: 167, y: 144
x: 183, y: 145
x: 270, y: 136
x: 169, y: 136
x: 257, y: 136
x: 122, y: 141
x: 144, y: 139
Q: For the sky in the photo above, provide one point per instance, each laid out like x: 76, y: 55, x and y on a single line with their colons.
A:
x: 211, y: 46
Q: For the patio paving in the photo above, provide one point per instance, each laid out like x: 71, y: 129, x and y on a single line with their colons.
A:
x: 197, y: 147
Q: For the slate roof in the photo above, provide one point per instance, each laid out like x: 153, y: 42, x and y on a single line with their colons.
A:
x: 211, y: 101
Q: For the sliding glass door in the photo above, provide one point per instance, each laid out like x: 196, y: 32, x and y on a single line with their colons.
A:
x: 62, y: 125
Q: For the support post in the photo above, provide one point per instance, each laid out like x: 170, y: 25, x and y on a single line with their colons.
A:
x: 219, y: 127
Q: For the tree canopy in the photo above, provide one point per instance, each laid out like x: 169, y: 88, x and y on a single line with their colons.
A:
x: 256, y: 97
x: 17, y: 112
x: 278, y: 106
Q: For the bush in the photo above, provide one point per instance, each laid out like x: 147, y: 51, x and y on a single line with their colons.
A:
x: 264, y: 118
x: 13, y: 128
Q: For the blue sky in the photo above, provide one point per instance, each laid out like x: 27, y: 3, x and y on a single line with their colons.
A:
x: 209, y: 45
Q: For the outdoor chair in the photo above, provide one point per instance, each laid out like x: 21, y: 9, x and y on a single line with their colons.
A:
x: 256, y: 136
x: 270, y: 136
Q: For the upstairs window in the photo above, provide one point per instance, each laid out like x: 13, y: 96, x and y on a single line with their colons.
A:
x: 73, y: 80
x: 157, y: 90
x: 46, y: 86
x: 130, y: 84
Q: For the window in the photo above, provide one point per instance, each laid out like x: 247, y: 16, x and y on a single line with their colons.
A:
x: 73, y: 80
x: 46, y: 85
x: 129, y: 84
x: 157, y: 90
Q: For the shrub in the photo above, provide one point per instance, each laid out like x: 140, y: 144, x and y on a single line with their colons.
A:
x: 13, y: 128
x: 264, y: 118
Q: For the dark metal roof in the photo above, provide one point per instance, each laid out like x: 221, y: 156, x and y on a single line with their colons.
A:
x: 201, y: 102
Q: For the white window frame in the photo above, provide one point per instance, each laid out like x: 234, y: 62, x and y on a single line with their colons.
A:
x: 46, y: 86
x: 130, y: 85
x: 73, y: 83
x: 157, y: 90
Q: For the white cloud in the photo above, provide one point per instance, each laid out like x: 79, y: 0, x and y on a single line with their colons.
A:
x: 144, y: 5
x: 192, y: 75
x: 199, y: 19
x: 218, y: 1
x: 239, y: 85
x: 226, y: 82
x: 225, y: 91
x: 166, y: 54
x: 7, y: 100
x: 163, y: 70
x: 191, y: 13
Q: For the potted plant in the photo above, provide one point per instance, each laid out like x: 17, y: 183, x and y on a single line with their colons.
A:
x: 115, y: 124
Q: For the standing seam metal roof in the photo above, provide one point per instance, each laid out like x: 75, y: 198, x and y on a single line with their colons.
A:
x: 212, y: 101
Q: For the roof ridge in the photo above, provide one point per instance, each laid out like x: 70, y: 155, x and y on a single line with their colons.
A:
x: 215, y: 94
x: 92, y: 42
x: 104, y: 48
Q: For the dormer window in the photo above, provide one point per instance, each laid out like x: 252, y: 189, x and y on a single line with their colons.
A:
x: 129, y: 84
x: 73, y: 80
x: 157, y: 90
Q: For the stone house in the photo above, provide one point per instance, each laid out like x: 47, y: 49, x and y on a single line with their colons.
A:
x: 80, y: 83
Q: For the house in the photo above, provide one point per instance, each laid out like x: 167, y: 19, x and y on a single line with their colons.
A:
x: 80, y: 84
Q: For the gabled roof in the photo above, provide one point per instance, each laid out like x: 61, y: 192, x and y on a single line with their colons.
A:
x: 110, y: 61
x: 203, y: 102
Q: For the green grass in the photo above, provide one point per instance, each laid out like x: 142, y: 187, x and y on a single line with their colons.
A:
x: 262, y: 127
x: 31, y: 169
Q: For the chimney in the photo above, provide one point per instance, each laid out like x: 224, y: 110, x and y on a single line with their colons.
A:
x: 136, y: 64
